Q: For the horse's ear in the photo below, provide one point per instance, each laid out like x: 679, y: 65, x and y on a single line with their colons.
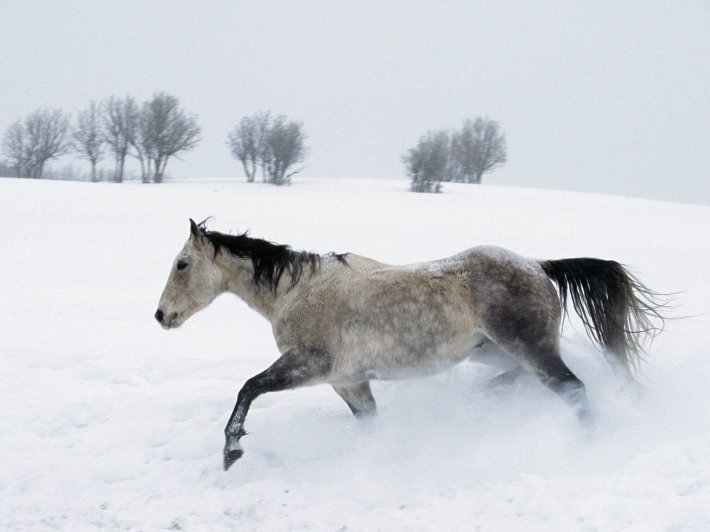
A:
x: 195, y: 233
x: 194, y: 230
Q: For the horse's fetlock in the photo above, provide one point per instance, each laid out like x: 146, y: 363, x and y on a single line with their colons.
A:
x: 234, y: 435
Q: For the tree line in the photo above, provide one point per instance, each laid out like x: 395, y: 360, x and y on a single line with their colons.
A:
x: 159, y: 129
x: 461, y: 156
x: 152, y: 132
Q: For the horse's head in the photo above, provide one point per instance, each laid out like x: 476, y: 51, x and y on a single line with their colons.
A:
x: 194, y: 281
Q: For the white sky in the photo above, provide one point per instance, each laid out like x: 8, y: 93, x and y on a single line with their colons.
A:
x: 602, y: 96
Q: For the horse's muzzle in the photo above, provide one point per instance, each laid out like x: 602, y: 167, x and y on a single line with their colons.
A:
x: 167, y: 322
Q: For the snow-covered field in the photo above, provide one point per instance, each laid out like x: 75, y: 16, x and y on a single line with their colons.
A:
x: 109, y: 422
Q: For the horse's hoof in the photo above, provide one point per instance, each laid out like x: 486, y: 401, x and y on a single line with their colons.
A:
x: 232, y: 456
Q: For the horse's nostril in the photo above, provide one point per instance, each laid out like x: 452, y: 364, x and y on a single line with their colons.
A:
x: 159, y: 315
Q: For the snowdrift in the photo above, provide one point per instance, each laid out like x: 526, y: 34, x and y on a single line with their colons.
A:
x: 109, y: 422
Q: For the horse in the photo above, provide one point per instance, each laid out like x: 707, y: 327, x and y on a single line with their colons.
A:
x: 345, y: 319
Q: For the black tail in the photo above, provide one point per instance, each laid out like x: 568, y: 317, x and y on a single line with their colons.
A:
x: 617, y: 310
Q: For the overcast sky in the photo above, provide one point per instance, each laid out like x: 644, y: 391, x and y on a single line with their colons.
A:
x: 608, y: 96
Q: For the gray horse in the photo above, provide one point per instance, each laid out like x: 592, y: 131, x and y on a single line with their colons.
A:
x: 347, y: 319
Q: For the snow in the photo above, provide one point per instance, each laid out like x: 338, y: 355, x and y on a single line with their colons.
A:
x: 109, y: 422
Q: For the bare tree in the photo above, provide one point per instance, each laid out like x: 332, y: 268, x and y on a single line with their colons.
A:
x: 118, y: 128
x: 477, y: 149
x: 88, y: 138
x: 42, y: 136
x: 274, y: 144
x: 141, y: 140
x: 15, y: 148
x: 262, y: 121
x: 244, y: 143
x: 166, y: 131
x: 283, y: 148
x: 427, y: 163
x: 48, y: 135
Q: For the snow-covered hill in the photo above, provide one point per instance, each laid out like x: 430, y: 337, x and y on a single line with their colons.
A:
x: 109, y: 422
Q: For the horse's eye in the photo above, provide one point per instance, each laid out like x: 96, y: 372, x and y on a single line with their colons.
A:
x: 181, y: 265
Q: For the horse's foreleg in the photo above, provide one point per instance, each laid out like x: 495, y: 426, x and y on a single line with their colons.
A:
x: 359, y: 398
x: 296, y: 367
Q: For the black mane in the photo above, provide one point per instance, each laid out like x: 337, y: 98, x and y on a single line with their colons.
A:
x: 270, y: 260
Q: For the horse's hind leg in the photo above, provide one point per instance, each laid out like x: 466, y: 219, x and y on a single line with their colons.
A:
x: 555, y: 374
x: 507, y: 378
x: 358, y: 397
x: 488, y: 352
x: 540, y: 355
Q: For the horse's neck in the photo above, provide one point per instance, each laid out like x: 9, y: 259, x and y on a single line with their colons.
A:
x: 238, y: 278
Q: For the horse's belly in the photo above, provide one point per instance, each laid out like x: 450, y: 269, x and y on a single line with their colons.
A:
x: 398, y: 357
x: 421, y: 367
